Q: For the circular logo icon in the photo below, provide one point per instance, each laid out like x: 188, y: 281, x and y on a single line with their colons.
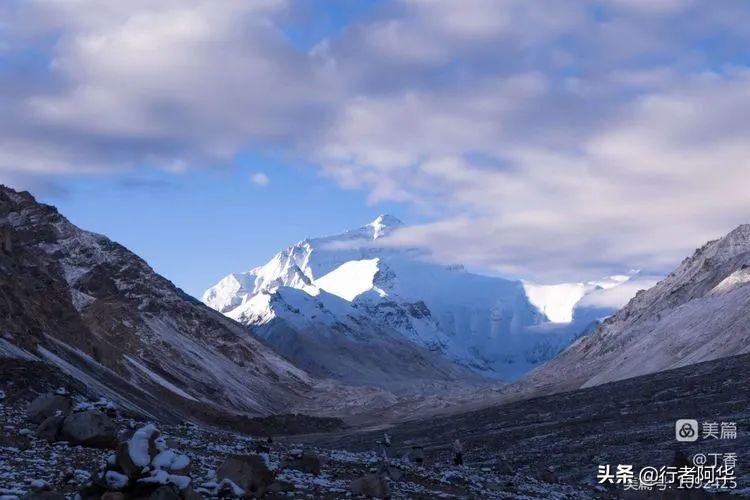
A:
x: 686, y: 430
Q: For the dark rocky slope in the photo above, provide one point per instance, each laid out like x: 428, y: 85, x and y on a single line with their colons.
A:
x: 99, y: 313
x: 626, y: 422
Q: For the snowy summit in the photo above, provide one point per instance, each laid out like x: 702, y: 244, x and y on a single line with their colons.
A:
x: 350, y: 293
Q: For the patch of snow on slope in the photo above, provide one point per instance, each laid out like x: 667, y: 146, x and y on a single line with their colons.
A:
x: 160, y: 380
x: 11, y: 351
x: 92, y: 382
x: 350, y: 279
x: 735, y: 280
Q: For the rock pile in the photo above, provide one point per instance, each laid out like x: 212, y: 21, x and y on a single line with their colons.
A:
x: 143, y: 466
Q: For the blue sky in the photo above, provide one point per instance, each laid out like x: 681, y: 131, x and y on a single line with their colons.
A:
x: 198, y: 226
x: 552, y: 140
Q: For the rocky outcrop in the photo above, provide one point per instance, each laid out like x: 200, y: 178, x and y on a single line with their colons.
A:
x: 6, y: 240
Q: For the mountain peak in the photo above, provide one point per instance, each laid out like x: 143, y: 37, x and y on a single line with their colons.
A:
x: 383, y: 224
x: 741, y: 233
x: 734, y: 243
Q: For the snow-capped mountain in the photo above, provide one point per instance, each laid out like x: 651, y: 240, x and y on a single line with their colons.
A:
x: 354, y: 287
x: 98, y: 312
x: 699, y: 312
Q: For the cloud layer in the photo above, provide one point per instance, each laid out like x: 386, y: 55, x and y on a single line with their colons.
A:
x: 550, y: 140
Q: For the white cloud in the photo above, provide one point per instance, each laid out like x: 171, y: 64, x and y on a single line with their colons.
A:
x: 259, y: 179
x: 548, y: 140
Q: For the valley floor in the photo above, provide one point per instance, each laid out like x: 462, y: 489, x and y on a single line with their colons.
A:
x: 571, y: 434
x: 28, y: 463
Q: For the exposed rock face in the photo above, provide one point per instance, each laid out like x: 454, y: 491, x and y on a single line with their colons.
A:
x: 700, y: 312
x: 6, y: 240
x: 90, y: 307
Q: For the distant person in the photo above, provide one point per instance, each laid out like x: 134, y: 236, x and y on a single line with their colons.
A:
x: 458, y: 452
x: 417, y: 455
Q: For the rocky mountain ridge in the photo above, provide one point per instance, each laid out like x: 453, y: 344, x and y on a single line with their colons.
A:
x: 98, y: 312
x: 699, y: 312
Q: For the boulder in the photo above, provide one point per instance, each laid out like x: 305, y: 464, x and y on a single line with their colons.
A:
x: 371, y: 486
x: 49, y: 430
x: 249, y: 472
x: 48, y: 405
x: 89, y: 428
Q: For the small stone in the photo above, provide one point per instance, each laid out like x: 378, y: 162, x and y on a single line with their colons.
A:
x: 39, y: 485
x: 115, y: 480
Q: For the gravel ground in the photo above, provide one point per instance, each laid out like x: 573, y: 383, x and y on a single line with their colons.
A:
x: 27, y: 463
x: 626, y: 422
